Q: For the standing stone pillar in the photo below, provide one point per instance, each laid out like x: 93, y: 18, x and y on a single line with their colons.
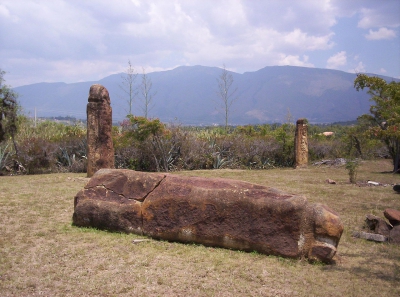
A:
x: 100, y: 149
x: 301, y: 144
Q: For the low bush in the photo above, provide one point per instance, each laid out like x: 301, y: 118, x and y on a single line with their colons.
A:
x: 37, y: 155
x: 149, y: 145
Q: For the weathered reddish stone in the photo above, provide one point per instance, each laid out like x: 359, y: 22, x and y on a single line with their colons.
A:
x: 224, y: 213
x: 394, y: 236
x: 326, y: 230
x: 393, y: 216
x: 214, y: 212
x: 126, y: 183
x: 100, y: 147
x: 377, y: 225
x: 301, y: 144
x: 123, y: 215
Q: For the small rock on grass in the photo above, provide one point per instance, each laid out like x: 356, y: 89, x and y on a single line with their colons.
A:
x: 394, y: 236
x: 393, y: 216
x: 135, y: 241
x: 377, y: 225
x: 370, y: 236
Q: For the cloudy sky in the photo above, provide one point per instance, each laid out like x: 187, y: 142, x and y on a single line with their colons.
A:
x: 86, y: 40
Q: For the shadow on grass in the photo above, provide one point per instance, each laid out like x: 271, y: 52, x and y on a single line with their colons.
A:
x: 380, y: 263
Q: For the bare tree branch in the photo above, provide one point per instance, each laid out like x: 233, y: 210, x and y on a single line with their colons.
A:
x: 225, y: 93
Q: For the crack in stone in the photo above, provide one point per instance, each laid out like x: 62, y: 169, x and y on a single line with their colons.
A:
x: 141, y: 200
x: 121, y: 194
x: 144, y: 198
x: 155, y: 187
x: 107, y: 190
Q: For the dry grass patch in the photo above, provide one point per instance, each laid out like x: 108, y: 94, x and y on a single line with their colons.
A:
x: 41, y: 254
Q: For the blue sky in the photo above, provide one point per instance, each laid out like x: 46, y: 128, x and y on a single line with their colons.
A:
x: 77, y: 40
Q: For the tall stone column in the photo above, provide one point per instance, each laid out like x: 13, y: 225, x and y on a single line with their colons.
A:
x: 301, y: 144
x: 100, y: 149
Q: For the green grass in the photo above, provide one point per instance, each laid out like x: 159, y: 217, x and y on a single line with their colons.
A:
x: 41, y: 254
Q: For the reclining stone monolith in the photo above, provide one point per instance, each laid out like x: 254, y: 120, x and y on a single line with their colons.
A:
x: 214, y: 212
x: 100, y: 149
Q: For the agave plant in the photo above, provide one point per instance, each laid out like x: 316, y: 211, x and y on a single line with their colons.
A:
x: 220, y: 161
x: 63, y: 159
x: 221, y: 155
x: 4, y: 154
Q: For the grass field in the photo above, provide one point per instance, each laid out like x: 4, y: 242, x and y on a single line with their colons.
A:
x: 41, y: 254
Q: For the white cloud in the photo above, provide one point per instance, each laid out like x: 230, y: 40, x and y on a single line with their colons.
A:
x: 382, y: 70
x: 313, y: 16
x: 304, y: 41
x: 4, y: 12
x: 382, y: 33
x: 360, y: 68
x: 294, y: 61
x: 98, y: 37
x: 334, y: 62
x: 380, y: 15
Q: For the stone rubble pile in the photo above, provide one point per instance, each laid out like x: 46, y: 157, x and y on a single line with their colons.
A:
x: 380, y: 230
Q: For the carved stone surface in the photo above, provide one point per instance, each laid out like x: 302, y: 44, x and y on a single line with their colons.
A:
x: 100, y: 150
x: 214, y: 212
x: 301, y: 144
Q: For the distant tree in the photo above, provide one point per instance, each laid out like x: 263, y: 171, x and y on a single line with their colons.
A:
x: 146, y: 93
x: 143, y: 129
x: 226, y: 93
x: 128, y: 86
x: 8, y: 111
x: 385, y: 114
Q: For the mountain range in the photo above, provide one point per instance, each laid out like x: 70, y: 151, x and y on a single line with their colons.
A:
x: 188, y: 95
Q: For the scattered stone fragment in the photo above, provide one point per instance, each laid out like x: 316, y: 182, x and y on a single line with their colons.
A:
x: 331, y: 181
x: 135, y: 241
x: 372, y: 183
x: 393, y: 216
x: 370, y: 236
x: 394, y: 236
x: 336, y: 162
x: 369, y: 183
x: 377, y: 225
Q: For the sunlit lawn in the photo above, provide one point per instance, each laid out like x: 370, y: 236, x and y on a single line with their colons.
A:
x: 41, y: 254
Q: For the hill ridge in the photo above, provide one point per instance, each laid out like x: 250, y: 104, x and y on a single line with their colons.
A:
x: 187, y: 95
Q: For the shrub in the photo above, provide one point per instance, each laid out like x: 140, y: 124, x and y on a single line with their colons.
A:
x: 37, y: 155
x: 72, y: 155
x: 4, y: 157
x: 149, y: 145
x: 352, y: 166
